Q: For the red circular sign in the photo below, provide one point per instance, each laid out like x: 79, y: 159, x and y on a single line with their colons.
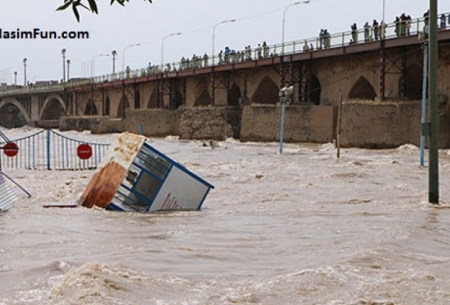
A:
x: 10, y: 149
x: 84, y: 151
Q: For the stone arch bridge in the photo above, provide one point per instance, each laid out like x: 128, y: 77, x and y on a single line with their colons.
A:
x: 381, y: 70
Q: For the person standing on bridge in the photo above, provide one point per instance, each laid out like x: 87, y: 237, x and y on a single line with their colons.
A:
x: 375, y: 29
x: 266, y: 49
x: 354, y: 28
x: 366, y: 32
x: 221, y: 57
x: 443, y: 24
x: 227, y: 55
x: 397, y: 26
x: 408, y: 24
x: 321, y: 39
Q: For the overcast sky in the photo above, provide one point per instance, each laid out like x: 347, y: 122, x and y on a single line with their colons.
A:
x: 116, y: 28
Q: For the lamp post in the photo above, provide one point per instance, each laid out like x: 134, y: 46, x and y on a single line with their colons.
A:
x: 383, y: 23
x: 93, y: 63
x: 68, y: 69
x: 63, y: 52
x: 114, y: 53
x: 162, y: 47
x: 284, y: 21
x: 15, y: 77
x: 24, y: 71
x: 433, y: 125
x: 213, y: 35
x: 284, y: 94
x: 123, y: 53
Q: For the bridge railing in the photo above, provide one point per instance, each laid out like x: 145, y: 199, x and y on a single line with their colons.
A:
x: 414, y: 27
x: 50, y: 150
x: 389, y: 31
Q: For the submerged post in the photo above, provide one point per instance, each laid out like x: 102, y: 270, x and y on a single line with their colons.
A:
x: 285, y: 92
x: 424, y: 101
x: 338, y: 127
x: 433, y: 171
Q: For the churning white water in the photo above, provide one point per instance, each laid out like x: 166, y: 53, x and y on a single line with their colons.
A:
x: 303, y: 227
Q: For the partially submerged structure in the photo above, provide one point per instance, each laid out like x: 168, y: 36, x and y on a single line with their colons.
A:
x: 7, y: 196
x: 134, y: 176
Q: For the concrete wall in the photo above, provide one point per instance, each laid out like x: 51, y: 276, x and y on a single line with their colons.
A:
x: 218, y: 123
x: 156, y: 122
x: 386, y: 125
x: 79, y: 123
x: 306, y: 123
x: 364, y: 124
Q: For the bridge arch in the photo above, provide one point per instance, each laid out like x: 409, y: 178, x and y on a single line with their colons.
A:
x: 202, y: 94
x: 312, y: 90
x: 107, y: 107
x: 266, y: 92
x: 137, y: 99
x: 123, y: 106
x: 152, y: 101
x: 413, y: 79
x: 234, y: 95
x: 53, y: 108
x: 362, y: 90
x: 21, y: 112
x: 90, y: 108
x: 177, y: 99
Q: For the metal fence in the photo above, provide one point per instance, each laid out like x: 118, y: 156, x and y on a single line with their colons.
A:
x: 50, y: 150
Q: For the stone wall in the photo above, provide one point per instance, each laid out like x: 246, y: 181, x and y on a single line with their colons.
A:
x: 155, y: 122
x: 193, y: 123
x: 367, y: 124
x: 210, y: 123
x: 108, y: 126
x: 364, y: 124
x: 79, y: 123
x: 304, y: 123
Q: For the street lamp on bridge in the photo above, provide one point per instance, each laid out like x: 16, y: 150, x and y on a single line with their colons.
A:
x: 68, y: 69
x: 123, y: 54
x: 114, y: 53
x: 63, y: 52
x: 284, y: 21
x: 162, y: 47
x: 213, y: 35
x: 93, y: 63
x: 24, y: 71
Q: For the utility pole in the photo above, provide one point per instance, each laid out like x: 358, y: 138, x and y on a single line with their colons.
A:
x: 63, y: 53
x: 433, y: 170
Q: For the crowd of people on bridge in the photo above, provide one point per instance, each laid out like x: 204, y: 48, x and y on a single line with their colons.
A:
x: 402, y: 25
x: 371, y: 32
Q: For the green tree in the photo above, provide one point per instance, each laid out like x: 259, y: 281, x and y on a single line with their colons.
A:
x: 91, y: 5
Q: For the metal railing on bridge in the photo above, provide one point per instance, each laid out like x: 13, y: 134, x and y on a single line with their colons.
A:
x: 367, y: 34
x: 50, y: 150
x: 412, y: 27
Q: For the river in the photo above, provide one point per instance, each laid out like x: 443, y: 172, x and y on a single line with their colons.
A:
x: 302, y: 227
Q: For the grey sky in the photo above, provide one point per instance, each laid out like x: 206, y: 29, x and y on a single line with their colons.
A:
x: 117, y: 27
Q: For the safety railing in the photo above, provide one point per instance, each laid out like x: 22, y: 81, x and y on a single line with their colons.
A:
x: 50, y: 150
x: 369, y: 33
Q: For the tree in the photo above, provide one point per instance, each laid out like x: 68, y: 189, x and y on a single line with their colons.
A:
x: 91, y: 5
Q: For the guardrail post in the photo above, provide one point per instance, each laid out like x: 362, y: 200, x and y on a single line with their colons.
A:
x: 48, y: 149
